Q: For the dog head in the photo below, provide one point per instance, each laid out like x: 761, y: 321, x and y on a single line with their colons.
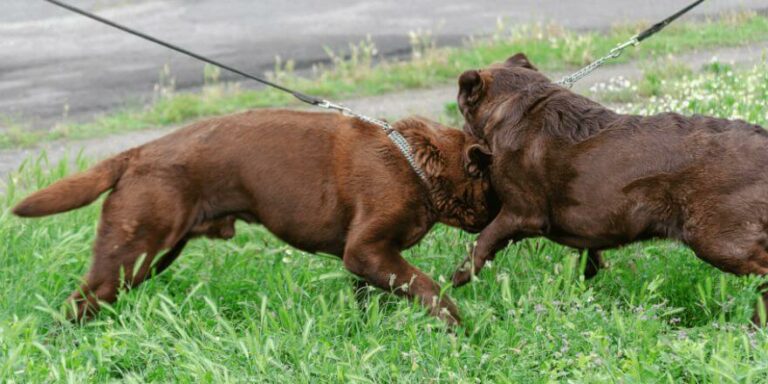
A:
x: 482, y: 92
x: 456, y: 165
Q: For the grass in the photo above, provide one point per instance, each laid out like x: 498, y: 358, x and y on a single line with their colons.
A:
x: 718, y: 91
x: 655, y: 76
x: 254, y: 310
x: 549, y: 46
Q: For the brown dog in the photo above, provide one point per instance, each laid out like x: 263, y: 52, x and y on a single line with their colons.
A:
x: 321, y: 182
x: 566, y: 168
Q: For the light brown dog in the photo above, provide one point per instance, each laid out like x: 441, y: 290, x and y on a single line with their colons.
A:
x: 321, y: 182
x: 569, y: 169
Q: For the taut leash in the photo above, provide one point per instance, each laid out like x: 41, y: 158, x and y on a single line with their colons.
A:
x: 400, y: 142
x: 569, y: 80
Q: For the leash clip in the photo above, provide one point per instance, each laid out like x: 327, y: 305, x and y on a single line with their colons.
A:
x: 336, y: 107
x: 619, y: 49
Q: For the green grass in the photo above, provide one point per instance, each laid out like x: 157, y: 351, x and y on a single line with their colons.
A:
x: 254, y: 310
x: 653, y: 82
x: 718, y: 90
x: 548, y: 46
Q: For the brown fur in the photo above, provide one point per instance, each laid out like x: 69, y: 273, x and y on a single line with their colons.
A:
x: 567, y: 168
x: 321, y: 182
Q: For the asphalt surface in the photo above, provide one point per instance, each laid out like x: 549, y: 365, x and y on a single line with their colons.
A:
x: 55, y: 65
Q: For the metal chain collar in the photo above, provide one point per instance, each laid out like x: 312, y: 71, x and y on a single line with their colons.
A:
x: 400, y: 142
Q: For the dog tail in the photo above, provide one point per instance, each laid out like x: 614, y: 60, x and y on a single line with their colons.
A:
x: 75, y: 191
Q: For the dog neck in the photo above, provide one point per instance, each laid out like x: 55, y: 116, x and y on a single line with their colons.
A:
x: 442, y: 204
x: 409, y: 129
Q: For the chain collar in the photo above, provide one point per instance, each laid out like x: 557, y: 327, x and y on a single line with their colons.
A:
x: 396, y: 137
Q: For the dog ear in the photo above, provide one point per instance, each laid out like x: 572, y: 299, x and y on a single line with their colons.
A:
x: 477, y: 158
x: 471, y: 89
x: 520, y: 60
x: 427, y: 155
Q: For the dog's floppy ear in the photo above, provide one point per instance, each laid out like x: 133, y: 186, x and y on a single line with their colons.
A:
x: 477, y: 158
x: 520, y: 60
x: 426, y: 154
x: 471, y: 89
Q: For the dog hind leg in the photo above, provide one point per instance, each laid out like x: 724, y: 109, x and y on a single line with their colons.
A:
x: 132, y: 230
x: 594, y: 263
x: 114, y: 267
x: 169, y: 257
x: 763, y: 257
x: 740, y: 253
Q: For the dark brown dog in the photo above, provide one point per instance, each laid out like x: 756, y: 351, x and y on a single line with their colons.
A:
x: 566, y: 168
x: 321, y: 182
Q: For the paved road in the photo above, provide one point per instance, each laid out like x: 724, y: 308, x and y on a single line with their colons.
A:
x: 51, y: 60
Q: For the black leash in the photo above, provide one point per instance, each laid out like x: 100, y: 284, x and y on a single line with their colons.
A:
x: 660, y: 25
x: 301, y: 96
x: 568, y: 81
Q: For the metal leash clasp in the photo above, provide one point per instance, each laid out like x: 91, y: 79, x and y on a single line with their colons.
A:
x: 333, y: 106
x: 618, y: 50
x: 346, y: 111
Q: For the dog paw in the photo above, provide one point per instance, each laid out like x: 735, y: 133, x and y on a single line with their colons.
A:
x: 451, y: 319
x: 463, y: 274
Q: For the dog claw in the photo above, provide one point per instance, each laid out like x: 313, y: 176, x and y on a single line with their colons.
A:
x: 446, y: 316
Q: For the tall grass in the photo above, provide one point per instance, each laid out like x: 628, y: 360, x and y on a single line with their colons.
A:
x: 254, y: 310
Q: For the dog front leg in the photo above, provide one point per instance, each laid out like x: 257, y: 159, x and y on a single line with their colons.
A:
x: 504, y: 228
x: 382, y: 266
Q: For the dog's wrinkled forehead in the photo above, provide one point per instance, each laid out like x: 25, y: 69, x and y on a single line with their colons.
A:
x: 512, y: 75
x: 483, y: 92
x: 478, y: 87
